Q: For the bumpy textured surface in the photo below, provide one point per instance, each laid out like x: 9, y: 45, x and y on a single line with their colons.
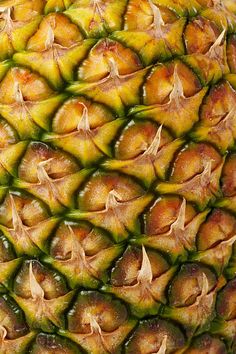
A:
x: 117, y: 176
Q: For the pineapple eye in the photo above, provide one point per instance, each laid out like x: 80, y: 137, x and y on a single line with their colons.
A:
x: 56, y: 164
x: 14, y: 321
x: 219, y: 226
x: 164, y: 213
x: 52, y: 344
x: 155, y: 335
x: 123, y: 275
x: 228, y: 179
x: 29, y: 210
x: 225, y: 306
x: 207, y: 342
x: 95, y: 194
x: 136, y: 138
x: 6, y: 250
x: 52, y: 283
x: 92, y: 307
x: 187, y: 284
x: 80, y: 249
x: 200, y: 34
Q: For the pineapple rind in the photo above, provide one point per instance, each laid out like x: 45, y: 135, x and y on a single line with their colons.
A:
x: 117, y: 176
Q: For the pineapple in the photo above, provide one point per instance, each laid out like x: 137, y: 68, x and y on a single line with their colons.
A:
x: 117, y: 176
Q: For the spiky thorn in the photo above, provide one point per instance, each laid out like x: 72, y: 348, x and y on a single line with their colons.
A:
x: 177, y: 92
x: 163, y: 347
x: 152, y: 150
x: 216, y: 51
x: 5, y: 14
x: 145, y: 275
x: 158, y: 21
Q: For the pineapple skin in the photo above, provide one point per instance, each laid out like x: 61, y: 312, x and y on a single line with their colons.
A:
x: 117, y: 176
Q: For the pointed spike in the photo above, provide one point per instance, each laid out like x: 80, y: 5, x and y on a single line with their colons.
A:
x: 84, y: 120
x: 20, y: 231
x: 222, y: 249
x: 177, y: 90
x: 229, y: 242
x: 50, y: 38
x: 145, y: 274
x: 179, y: 223
x: 97, y: 7
x: 206, y: 174
x: 6, y: 15
x: 229, y: 116
x: 3, y: 333
x: 95, y: 328
x: 77, y: 249
x: 112, y: 199
x: 78, y: 255
x: 153, y: 148
x: 204, y: 301
x: 18, y: 93
x: 45, y: 180
x: 219, y: 39
x: 204, y: 285
x: 212, y: 52
x: 16, y: 220
x: 41, y: 172
x: 71, y: 231
x: 36, y: 290
x: 163, y: 347
x: 113, y: 68
x: 157, y: 18
x: 6, y: 12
